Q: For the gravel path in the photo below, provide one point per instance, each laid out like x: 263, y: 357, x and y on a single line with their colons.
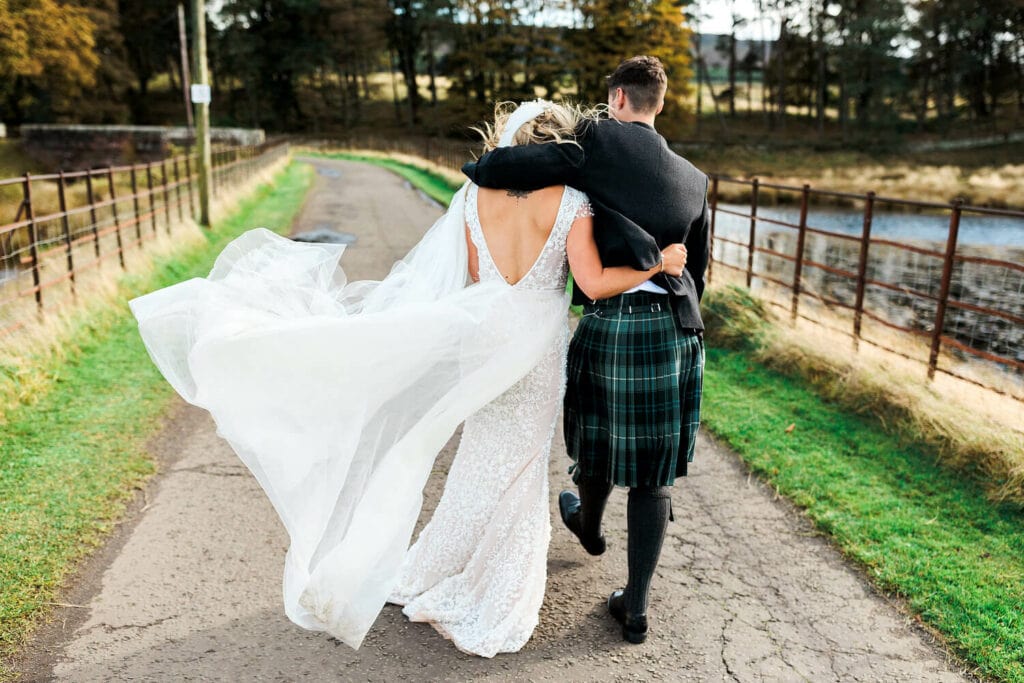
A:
x: 189, y: 588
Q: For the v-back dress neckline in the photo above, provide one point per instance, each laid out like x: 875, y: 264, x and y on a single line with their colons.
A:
x: 480, y: 239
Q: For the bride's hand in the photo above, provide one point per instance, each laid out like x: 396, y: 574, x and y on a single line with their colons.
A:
x: 674, y: 259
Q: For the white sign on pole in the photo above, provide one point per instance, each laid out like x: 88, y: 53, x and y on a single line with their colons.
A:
x: 200, y: 93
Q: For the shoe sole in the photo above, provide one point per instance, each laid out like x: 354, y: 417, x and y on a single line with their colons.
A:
x: 633, y: 637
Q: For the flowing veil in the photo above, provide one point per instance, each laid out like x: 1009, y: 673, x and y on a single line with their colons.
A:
x: 338, y: 396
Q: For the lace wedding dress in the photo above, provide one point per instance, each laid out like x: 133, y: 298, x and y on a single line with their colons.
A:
x: 339, y: 395
x: 478, y: 569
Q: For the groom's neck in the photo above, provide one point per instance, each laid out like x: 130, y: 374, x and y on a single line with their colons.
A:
x: 629, y: 116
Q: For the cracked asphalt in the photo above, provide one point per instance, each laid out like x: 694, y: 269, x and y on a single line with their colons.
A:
x: 190, y: 587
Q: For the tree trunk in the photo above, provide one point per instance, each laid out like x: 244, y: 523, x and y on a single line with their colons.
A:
x: 343, y: 91
x: 700, y: 86
x: 432, y: 68
x: 714, y: 99
x: 822, y: 95
x: 782, y: 74
x: 394, y: 86
x: 750, y: 88
x: 732, y: 71
x: 1020, y: 80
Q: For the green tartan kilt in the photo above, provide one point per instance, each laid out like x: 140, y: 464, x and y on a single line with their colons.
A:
x: 632, y: 403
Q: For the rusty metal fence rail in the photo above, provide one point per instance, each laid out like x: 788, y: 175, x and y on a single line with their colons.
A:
x: 69, y: 223
x: 958, y: 301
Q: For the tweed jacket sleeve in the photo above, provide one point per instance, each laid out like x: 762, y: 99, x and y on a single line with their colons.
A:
x: 698, y: 249
x: 529, y: 167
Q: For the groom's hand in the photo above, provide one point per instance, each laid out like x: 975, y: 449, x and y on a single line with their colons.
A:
x: 674, y: 259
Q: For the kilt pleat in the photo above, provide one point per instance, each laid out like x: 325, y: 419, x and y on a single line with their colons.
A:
x: 632, y: 403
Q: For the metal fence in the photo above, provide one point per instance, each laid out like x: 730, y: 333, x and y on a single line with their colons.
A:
x: 67, y: 224
x: 962, y: 301
x: 953, y: 302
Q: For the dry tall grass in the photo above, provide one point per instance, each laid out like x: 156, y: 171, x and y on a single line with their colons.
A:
x: 981, y: 177
x: 971, y: 429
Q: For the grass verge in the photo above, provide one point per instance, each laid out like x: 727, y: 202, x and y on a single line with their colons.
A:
x: 70, y: 461
x: 921, y: 530
x: 438, y: 184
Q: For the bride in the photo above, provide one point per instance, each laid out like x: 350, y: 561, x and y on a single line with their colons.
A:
x: 339, y: 395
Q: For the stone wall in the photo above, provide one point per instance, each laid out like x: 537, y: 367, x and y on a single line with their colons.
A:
x: 74, y: 147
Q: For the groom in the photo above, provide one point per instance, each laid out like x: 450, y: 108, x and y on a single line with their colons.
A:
x: 635, y: 367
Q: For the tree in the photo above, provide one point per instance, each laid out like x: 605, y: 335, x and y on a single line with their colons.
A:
x: 151, y: 46
x: 727, y: 45
x: 269, y: 47
x: 357, y: 36
x: 869, y: 67
x: 105, y: 100
x: 752, y: 61
x: 47, y: 56
x: 614, y: 30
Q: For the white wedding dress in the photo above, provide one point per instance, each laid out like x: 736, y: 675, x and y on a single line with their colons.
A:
x: 478, y: 569
x: 339, y: 395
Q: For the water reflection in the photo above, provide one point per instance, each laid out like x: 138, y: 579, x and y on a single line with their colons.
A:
x: 974, y: 229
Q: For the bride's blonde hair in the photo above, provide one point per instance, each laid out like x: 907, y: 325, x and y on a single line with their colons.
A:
x: 558, y: 123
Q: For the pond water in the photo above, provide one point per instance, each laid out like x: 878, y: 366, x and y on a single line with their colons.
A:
x: 974, y: 230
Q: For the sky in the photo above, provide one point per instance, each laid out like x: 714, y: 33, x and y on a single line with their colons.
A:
x: 717, y: 18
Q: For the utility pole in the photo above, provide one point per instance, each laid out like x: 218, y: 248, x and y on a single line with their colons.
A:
x: 201, y: 100
x: 186, y: 79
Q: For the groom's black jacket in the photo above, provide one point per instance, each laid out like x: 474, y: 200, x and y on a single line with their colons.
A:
x: 644, y: 195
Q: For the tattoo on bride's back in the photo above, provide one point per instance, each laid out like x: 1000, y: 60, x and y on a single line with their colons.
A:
x: 518, y: 194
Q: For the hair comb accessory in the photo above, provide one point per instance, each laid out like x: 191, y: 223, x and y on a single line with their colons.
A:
x: 524, y: 113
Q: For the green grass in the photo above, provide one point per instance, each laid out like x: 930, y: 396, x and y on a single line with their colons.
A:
x: 918, y: 530
x: 70, y: 461
x: 435, y: 186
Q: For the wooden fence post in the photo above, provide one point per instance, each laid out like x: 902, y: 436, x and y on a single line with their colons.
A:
x: 90, y: 197
x: 862, y: 267
x: 167, y: 193
x: 753, y: 228
x: 947, y: 276
x: 152, y: 198
x: 117, y: 222
x: 135, y: 206
x: 188, y: 178
x: 177, y: 190
x: 33, y: 232
x: 66, y: 228
x: 798, y: 264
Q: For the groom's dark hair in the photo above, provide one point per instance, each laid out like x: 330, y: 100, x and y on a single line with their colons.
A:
x: 643, y: 80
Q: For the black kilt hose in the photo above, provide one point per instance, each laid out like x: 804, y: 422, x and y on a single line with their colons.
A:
x: 632, y: 403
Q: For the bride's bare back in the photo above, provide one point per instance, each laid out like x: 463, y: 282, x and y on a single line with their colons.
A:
x: 516, y: 226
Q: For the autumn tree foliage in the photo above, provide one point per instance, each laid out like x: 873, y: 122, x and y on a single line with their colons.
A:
x: 616, y: 29
x: 48, y: 57
x: 857, y: 65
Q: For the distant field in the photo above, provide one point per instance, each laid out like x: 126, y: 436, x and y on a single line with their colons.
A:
x: 12, y: 161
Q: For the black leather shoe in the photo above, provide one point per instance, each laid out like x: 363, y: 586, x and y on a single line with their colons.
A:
x: 634, y: 626
x: 569, y: 507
